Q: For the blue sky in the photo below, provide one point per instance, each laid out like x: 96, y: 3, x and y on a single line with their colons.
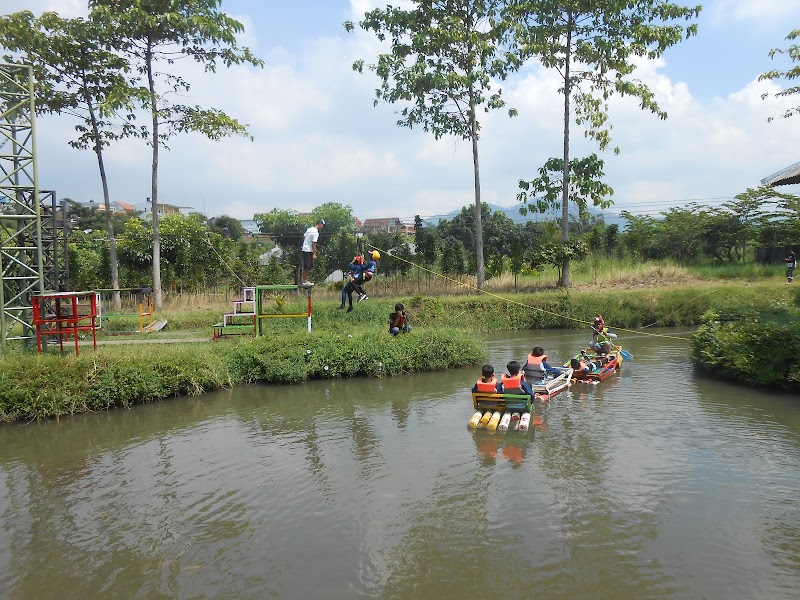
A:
x: 318, y: 137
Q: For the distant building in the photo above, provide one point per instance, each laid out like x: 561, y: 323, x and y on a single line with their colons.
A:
x: 117, y: 207
x: 164, y: 209
x: 275, y: 253
x: 250, y: 227
x: 387, y: 225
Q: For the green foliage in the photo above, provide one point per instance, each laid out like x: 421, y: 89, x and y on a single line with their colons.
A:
x: 594, y: 51
x: 750, y: 350
x: 227, y: 227
x: 337, y: 243
x: 585, y: 183
x: 790, y: 73
x: 35, y: 387
x: 443, y: 62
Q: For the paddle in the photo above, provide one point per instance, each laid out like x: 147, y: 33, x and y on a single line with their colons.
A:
x: 626, y: 356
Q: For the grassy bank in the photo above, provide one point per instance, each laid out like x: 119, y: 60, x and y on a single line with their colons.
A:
x: 642, y: 305
x: 751, y: 350
x: 43, y: 386
x: 34, y: 386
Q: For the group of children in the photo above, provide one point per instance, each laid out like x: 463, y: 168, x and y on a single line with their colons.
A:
x: 519, y: 378
x: 536, y: 369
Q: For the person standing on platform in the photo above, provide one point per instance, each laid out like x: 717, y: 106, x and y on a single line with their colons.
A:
x: 309, y: 249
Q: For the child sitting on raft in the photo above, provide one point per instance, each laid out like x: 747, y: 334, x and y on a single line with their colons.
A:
x: 584, y: 365
x: 514, y: 382
x: 487, y: 382
x: 537, y: 367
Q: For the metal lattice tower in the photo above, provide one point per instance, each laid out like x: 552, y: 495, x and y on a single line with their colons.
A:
x: 21, y: 254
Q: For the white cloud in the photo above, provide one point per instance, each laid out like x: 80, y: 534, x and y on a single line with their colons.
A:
x: 773, y: 11
x: 318, y: 138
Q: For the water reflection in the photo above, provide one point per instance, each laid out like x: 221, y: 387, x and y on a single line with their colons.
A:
x: 655, y: 484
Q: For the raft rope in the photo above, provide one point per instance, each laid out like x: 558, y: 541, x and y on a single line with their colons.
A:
x: 523, y: 304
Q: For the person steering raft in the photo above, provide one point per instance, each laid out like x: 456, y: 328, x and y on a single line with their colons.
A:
x: 601, y: 336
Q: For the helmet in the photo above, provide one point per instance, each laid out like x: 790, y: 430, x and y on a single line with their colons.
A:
x: 376, y: 255
x: 359, y: 260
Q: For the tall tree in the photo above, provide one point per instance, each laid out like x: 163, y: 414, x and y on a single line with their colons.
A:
x: 791, y: 74
x: 593, y: 45
x: 442, y: 60
x: 227, y: 227
x: 77, y: 74
x: 160, y: 32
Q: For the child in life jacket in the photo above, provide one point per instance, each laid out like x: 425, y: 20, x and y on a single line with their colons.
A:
x: 584, y: 365
x: 537, y: 368
x: 487, y: 383
x: 514, y: 382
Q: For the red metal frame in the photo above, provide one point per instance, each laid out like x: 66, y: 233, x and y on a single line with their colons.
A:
x: 66, y: 318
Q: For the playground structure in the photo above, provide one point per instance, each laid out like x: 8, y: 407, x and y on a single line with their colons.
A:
x: 145, y: 314
x: 64, y: 314
x: 260, y: 298
x: 230, y: 324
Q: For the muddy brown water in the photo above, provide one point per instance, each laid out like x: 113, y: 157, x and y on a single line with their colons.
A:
x: 657, y: 483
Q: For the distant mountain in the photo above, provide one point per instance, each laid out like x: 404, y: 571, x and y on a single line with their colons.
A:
x: 512, y: 212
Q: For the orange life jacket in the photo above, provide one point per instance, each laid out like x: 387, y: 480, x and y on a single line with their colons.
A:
x: 534, y: 369
x: 536, y: 360
x: 487, y: 386
x: 512, y: 382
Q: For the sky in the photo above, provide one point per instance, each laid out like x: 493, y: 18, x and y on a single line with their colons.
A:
x: 318, y: 138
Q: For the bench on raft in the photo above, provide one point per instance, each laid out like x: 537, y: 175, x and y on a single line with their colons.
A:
x: 522, y: 402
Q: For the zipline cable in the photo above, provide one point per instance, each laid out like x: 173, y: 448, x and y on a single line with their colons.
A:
x: 523, y: 304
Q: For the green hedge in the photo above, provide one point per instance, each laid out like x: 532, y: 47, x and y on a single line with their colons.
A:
x: 52, y: 385
x: 750, y: 350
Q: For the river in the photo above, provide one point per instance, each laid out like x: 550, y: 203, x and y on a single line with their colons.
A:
x: 657, y: 483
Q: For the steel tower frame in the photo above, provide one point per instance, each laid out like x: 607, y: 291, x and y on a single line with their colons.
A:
x: 21, y: 253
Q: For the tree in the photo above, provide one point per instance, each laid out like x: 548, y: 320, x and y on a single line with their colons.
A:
x: 640, y: 232
x: 227, y: 227
x: 593, y: 46
x: 790, y: 74
x: 680, y: 231
x: 286, y: 228
x: 452, y: 257
x: 442, y: 59
x: 77, y: 74
x: 426, y: 243
x: 160, y: 32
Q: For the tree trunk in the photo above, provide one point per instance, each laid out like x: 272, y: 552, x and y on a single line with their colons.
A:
x: 476, y: 169
x: 565, y: 175
x: 157, y: 296
x: 112, y: 240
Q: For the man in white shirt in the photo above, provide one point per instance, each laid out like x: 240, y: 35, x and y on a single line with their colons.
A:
x: 310, y: 249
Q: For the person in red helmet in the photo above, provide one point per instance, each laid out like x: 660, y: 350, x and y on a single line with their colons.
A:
x: 356, y: 269
x: 367, y: 273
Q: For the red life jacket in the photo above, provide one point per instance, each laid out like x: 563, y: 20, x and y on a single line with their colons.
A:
x: 512, y: 382
x: 487, y: 386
